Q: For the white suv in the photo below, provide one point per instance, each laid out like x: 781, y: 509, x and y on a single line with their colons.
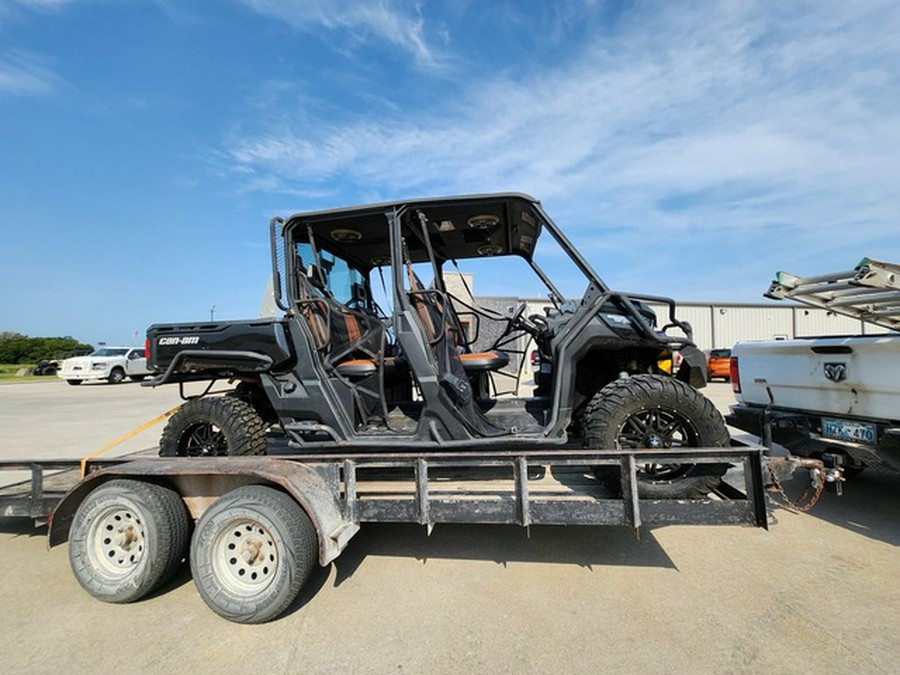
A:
x: 112, y: 364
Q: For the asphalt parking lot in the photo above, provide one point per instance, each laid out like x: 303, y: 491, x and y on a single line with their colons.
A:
x: 818, y: 592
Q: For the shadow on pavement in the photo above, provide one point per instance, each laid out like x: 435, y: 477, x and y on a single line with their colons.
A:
x: 869, y: 505
x: 23, y: 527
x: 584, y: 546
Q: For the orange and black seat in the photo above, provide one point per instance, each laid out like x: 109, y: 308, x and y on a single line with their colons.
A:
x: 435, y: 313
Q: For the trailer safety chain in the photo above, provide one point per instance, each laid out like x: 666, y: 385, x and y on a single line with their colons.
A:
x: 135, y: 432
x: 798, y: 505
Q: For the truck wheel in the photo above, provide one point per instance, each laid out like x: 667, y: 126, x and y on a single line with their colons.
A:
x: 74, y: 383
x: 137, y: 378
x: 653, y: 411
x: 212, y: 427
x: 116, y: 376
x: 127, y: 538
x: 251, y: 553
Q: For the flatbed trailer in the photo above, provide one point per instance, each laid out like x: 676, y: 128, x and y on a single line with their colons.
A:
x: 228, y: 501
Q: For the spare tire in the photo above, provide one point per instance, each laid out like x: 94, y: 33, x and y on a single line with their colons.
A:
x: 654, y: 411
x: 212, y: 427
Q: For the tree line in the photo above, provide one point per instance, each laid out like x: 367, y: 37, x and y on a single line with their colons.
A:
x: 18, y: 348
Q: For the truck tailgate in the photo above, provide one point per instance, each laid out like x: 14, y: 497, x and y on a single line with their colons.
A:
x: 854, y: 376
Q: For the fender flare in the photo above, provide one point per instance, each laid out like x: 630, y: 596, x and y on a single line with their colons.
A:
x: 315, y: 487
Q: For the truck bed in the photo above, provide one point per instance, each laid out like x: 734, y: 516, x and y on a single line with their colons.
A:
x: 846, y: 376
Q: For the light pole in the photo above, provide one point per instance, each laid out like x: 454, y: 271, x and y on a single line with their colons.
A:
x: 212, y: 312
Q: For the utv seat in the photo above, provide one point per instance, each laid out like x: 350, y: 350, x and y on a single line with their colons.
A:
x: 494, y: 360
x: 472, y: 362
x: 347, y: 339
x: 435, y: 311
x: 357, y: 368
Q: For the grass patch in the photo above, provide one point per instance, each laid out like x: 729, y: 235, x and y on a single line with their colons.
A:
x: 8, y: 373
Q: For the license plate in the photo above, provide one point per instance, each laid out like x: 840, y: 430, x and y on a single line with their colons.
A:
x: 845, y: 430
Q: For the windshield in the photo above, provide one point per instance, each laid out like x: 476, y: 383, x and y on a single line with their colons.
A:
x: 344, y: 283
x: 107, y: 351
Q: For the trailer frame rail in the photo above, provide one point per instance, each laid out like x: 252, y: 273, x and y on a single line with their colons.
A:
x: 442, y: 487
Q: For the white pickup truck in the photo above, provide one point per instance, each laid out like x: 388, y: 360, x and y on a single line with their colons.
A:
x: 839, y: 395
x: 112, y: 364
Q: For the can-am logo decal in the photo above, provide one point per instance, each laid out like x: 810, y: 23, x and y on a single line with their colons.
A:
x: 836, y: 371
x: 187, y: 340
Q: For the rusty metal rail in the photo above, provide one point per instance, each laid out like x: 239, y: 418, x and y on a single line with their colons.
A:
x: 525, y: 487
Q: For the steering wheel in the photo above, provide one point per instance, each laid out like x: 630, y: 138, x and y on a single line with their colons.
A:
x: 538, y: 322
x: 533, y: 324
x: 515, y: 317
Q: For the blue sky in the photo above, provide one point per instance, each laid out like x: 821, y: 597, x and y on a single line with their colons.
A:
x: 688, y: 149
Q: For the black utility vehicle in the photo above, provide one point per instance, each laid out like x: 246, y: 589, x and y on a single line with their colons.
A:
x: 366, y: 356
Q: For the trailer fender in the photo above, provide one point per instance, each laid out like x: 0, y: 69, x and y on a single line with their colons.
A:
x: 200, y: 481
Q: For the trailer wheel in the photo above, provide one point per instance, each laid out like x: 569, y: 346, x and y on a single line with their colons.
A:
x: 127, y: 538
x: 654, y: 411
x: 252, y: 551
x: 214, y: 426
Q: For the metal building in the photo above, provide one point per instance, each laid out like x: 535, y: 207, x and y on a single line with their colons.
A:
x: 715, y: 325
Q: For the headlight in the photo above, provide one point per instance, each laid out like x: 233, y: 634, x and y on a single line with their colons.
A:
x: 616, y: 320
x: 98, y: 365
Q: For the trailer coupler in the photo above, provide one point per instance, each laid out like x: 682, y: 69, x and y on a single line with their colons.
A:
x: 826, y: 469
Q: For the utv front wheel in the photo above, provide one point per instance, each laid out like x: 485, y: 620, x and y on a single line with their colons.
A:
x: 213, y: 427
x: 653, y: 411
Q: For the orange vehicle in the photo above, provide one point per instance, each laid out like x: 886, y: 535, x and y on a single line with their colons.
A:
x: 718, y: 364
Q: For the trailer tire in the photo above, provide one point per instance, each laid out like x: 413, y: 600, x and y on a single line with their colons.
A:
x: 655, y: 411
x: 251, y: 553
x: 127, y: 538
x: 214, y: 426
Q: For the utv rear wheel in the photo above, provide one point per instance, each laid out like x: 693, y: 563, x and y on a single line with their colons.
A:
x: 653, y: 411
x: 214, y: 427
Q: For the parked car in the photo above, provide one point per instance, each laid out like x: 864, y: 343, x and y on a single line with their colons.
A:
x: 112, y: 364
x: 719, y: 364
x: 51, y: 366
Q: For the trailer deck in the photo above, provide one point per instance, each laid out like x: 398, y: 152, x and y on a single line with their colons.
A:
x: 525, y: 488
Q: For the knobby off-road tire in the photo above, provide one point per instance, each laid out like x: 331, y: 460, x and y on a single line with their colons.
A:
x: 214, y: 426
x: 127, y: 538
x: 653, y: 411
x: 251, y: 553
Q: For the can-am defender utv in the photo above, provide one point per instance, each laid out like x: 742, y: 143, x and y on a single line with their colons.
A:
x: 367, y: 356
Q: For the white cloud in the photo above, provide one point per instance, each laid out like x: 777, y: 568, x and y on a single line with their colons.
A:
x: 7, y: 7
x: 394, y: 21
x: 766, y: 122
x: 38, y: 4
x: 23, y: 74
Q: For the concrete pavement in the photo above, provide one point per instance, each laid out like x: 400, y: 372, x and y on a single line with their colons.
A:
x: 817, y: 592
